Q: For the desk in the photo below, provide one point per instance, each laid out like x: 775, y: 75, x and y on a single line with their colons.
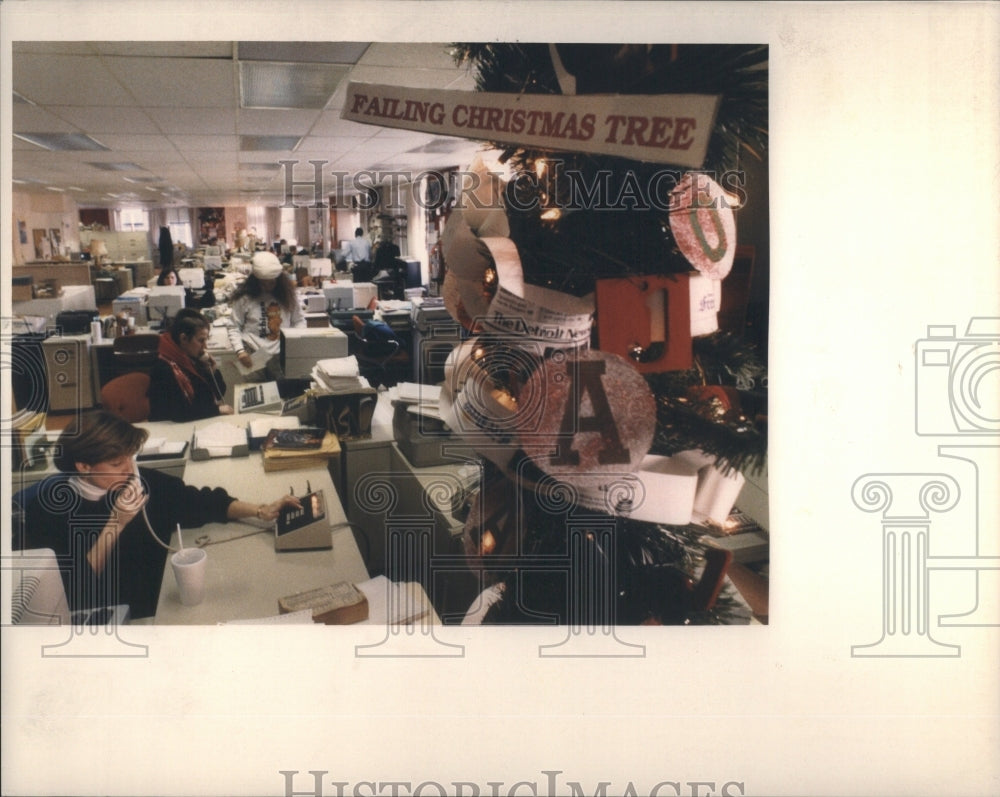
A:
x: 432, y: 493
x: 74, y: 297
x: 372, y: 455
x: 246, y: 577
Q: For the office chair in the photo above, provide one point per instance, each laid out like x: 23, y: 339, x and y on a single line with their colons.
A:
x: 128, y: 396
x: 381, y: 360
x: 136, y: 351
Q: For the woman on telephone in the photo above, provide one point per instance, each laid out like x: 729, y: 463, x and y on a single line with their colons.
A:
x: 184, y: 384
x: 99, y: 515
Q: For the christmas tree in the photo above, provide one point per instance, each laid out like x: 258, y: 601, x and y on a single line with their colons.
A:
x: 581, y: 222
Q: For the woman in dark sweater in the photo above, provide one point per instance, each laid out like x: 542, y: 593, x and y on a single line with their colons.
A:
x: 99, y: 515
x: 184, y: 384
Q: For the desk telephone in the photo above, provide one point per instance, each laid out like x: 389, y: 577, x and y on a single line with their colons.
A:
x: 260, y: 397
x: 305, y: 528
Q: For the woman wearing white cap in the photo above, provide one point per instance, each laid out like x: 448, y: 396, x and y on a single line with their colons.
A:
x: 260, y: 308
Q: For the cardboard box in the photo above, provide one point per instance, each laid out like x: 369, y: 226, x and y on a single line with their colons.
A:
x: 22, y: 288
x: 48, y: 289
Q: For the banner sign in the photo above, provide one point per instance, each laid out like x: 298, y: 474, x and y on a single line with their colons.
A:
x: 656, y: 128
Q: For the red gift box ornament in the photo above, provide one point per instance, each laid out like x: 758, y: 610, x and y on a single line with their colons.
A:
x: 646, y: 320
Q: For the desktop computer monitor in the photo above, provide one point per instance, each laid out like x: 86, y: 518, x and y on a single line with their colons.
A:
x: 320, y: 267
x: 163, y: 304
x: 413, y: 277
x: 301, y: 348
x: 213, y: 251
x: 193, y: 278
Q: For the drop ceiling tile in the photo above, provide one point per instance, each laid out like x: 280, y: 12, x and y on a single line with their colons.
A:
x: 312, y: 52
x: 107, y: 119
x: 183, y: 49
x: 329, y: 123
x: 66, y: 80
x: 142, y: 143
x: 54, y: 48
x: 323, y: 144
x: 35, y: 119
x: 186, y: 143
x: 186, y: 83
x: 427, y: 55
x: 411, y: 78
x: 195, y: 121
x: 267, y: 122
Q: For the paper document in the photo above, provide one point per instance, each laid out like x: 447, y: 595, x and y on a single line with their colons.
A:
x: 220, y: 438
x: 259, y: 427
x: 257, y: 361
x: 416, y: 393
x: 339, y: 366
x: 393, y: 602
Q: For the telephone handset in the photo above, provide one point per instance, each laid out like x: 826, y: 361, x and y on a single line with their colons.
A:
x: 137, y: 477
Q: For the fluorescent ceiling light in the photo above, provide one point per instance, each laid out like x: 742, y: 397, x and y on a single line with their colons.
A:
x: 441, y: 145
x: 302, y: 52
x: 260, y: 167
x: 271, y: 85
x: 110, y: 166
x: 143, y: 179
x: 268, y: 143
x: 62, y: 142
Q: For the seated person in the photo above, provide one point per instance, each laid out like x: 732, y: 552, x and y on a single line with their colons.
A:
x: 304, y: 279
x: 184, y: 384
x: 100, y: 515
x: 169, y: 276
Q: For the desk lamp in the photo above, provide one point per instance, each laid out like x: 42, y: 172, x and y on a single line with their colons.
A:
x: 98, y: 251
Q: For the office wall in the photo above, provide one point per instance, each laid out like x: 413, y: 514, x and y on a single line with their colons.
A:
x: 52, y: 211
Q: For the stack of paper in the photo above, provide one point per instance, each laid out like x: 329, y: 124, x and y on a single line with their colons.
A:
x: 339, y: 375
x: 416, y: 393
x: 258, y: 428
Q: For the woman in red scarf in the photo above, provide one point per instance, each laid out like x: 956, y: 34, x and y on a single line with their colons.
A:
x: 184, y: 383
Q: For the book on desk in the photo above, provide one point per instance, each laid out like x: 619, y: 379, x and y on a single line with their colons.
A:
x: 278, y: 457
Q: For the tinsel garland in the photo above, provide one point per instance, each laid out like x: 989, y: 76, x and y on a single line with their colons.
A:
x: 654, y: 564
x: 738, y: 437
